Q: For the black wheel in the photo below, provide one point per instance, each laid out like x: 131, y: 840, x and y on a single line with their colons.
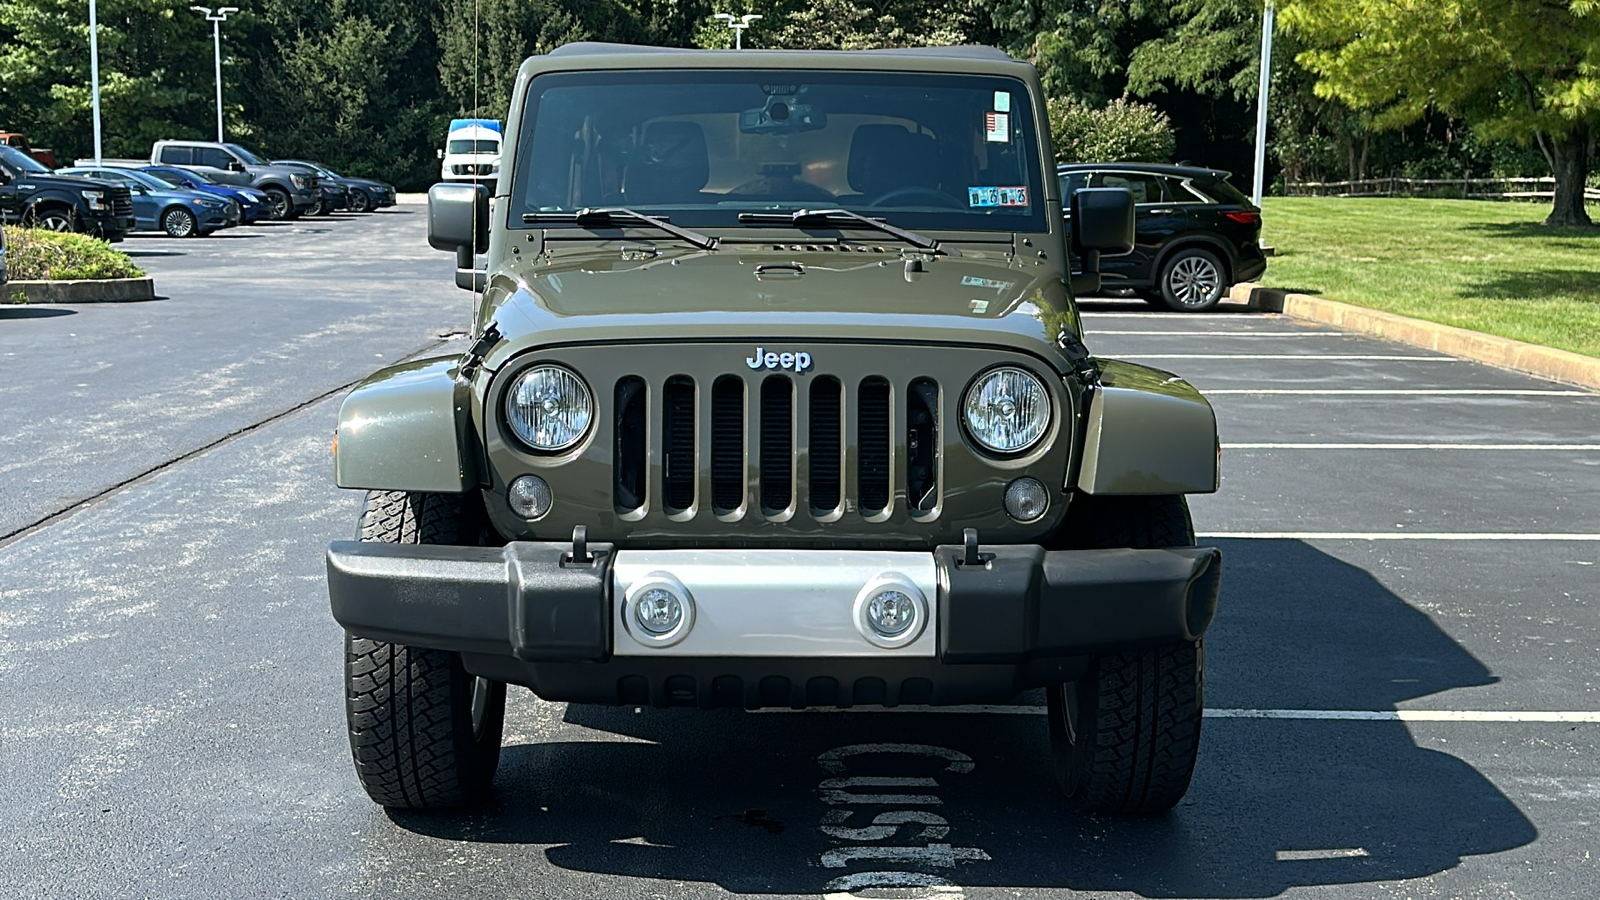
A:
x: 360, y: 202
x: 179, y: 223
x: 279, y: 204
x: 53, y: 219
x: 322, y: 208
x: 1124, y: 736
x: 1192, y: 280
x: 424, y: 732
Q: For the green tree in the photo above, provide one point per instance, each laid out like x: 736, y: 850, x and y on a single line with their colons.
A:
x: 1081, y: 47
x: 1523, y: 69
x: 1121, y: 131
x: 155, y: 74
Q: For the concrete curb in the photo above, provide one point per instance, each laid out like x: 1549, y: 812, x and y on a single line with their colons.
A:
x: 1518, y: 356
x: 98, y: 290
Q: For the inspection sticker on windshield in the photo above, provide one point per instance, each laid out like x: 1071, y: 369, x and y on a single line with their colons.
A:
x: 997, y: 127
x: 997, y: 196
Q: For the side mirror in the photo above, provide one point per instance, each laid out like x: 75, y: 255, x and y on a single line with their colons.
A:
x: 1102, y: 224
x: 441, y: 154
x: 458, y: 220
x: 235, y: 166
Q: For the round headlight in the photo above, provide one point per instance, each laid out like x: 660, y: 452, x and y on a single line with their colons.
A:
x: 549, y: 408
x: 1006, y: 410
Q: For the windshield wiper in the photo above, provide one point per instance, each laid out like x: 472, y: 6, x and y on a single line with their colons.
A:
x: 832, y: 217
x: 607, y: 215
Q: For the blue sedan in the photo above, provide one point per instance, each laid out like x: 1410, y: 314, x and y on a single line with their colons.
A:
x: 253, y: 205
x: 158, y: 206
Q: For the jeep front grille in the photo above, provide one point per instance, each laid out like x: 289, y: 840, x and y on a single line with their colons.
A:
x: 782, y: 439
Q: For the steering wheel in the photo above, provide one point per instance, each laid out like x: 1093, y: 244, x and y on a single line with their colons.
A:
x: 939, y: 197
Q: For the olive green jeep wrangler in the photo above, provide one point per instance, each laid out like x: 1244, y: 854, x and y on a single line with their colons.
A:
x: 777, y: 396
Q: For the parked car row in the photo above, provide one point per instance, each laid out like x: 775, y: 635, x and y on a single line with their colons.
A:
x: 185, y: 189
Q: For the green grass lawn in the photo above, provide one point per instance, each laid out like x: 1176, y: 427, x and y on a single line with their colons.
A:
x: 1474, y: 264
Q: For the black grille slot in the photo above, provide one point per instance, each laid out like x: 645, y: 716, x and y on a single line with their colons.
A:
x: 777, y: 443
x: 873, y: 444
x: 922, y: 444
x: 677, y: 443
x: 823, y: 446
x: 629, y: 473
x: 727, y: 444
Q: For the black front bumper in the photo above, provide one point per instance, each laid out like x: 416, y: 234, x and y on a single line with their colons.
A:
x: 528, y: 614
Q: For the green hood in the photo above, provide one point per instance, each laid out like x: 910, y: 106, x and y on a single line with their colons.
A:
x: 624, y: 291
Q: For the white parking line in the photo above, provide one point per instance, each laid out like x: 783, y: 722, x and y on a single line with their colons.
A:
x: 1582, y: 717
x: 1401, y: 392
x: 1244, y: 334
x: 1395, y: 536
x: 1397, y: 446
x: 1302, y: 356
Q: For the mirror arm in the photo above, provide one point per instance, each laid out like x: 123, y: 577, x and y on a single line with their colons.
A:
x: 469, y: 278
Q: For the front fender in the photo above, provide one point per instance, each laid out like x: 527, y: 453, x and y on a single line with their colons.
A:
x: 1148, y: 432
x: 408, y: 428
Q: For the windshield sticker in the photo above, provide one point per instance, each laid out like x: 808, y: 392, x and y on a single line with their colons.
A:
x: 990, y: 283
x: 1002, y: 101
x: 979, y: 307
x: 979, y: 197
x: 997, y: 127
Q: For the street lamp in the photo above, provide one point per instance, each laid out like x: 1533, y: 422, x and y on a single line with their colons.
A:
x: 738, y: 24
x: 216, y: 19
x: 1261, y: 104
x: 94, y: 76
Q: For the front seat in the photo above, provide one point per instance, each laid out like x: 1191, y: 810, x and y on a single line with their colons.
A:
x: 886, y: 158
x: 670, y: 165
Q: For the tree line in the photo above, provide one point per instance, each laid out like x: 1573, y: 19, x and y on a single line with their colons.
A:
x: 1361, y: 88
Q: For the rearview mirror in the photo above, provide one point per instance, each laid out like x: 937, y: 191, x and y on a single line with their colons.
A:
x: 1102, y: 224
x: 458, y: 219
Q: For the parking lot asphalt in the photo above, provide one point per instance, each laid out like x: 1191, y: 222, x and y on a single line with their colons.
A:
x: 1401, y: 685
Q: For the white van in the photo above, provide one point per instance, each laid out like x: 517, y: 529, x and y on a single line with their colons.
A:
x: 471, y: 152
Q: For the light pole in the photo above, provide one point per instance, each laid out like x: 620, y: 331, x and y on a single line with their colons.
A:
x: 94, y: 76
x: 216, y: 19
x: 738, y: 24
x: 1261, y: 105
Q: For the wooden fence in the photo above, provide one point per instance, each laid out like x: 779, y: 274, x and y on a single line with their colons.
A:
x: 1463, y: 188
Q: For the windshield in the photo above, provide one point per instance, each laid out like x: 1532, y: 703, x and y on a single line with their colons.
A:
x: 168, y: 178
x: 922, y: 151
x: 146, y: 179
x: 180, y: 176
x: 245, y: 155
x: 16, y: 159
x: 474, y: 147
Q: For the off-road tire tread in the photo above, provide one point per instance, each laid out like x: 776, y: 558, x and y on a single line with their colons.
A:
x: 403, y: 703
x: 1138, y: 743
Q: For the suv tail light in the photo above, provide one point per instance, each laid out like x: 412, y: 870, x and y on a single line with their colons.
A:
x: 1245, y: 216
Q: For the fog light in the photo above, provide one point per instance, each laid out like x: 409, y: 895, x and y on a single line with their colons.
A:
x: 530, y: 497
x: 1027, y: 499
x: 890, y: 611
x: 658, y: 610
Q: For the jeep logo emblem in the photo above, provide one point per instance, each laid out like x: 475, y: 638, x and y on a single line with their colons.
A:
x: 799, y: 363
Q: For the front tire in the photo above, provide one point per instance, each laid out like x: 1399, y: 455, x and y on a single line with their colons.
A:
x: 1125, y: 735
x: 280, y: 206
x: 179, y: 223
x: 360, y: 202
x: 62, y: 221
x: 424, y: 732
x: 1192, y: 280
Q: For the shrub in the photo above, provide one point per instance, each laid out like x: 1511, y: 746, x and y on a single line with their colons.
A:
x: 35, y: 255
x: 1123, y: 131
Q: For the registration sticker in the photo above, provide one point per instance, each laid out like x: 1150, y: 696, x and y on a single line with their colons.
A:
x: 997, y: 127
x: 979, y: 197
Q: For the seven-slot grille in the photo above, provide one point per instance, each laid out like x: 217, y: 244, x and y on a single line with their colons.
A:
x: 778, y: 445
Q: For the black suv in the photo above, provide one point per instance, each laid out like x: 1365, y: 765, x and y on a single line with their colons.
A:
x: 1197, y: 235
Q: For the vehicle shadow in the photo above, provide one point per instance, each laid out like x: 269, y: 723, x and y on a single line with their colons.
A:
x: 25, y: 311
x: 736, y: 799
x: 1574, y: 238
